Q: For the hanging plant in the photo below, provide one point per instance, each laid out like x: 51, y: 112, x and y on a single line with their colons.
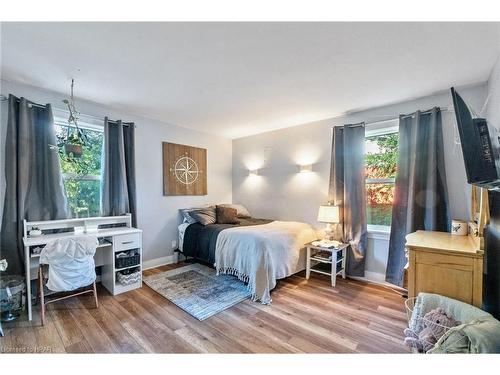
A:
x: 75, y: 138
x: 73, y: 146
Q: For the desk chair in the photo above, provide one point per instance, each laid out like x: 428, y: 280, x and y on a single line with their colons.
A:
x: 67, y: 270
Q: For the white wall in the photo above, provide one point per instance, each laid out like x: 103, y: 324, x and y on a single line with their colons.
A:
x: 157, y: 215
x: 279, y: 192
x: 282, y: 193
x: 493, y: 106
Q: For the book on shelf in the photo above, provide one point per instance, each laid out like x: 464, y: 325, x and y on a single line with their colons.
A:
x: 325, y: 255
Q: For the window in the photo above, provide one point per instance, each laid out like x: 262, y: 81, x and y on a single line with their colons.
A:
x: 82, y: 175
x: 380, y: 170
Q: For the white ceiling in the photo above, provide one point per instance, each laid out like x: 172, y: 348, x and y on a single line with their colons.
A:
x: 237, y: 79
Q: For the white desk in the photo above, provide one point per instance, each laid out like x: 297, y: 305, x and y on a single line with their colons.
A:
x: 118, y: 239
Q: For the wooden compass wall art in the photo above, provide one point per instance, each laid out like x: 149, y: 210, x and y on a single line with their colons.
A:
x: 184, y: 170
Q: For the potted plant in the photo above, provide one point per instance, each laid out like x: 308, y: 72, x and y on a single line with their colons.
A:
x: 73, y: 145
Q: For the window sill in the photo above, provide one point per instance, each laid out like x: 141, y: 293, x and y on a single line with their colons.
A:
x: 379, y: 232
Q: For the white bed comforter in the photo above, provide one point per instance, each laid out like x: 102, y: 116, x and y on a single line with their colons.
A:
x: 262, y: 254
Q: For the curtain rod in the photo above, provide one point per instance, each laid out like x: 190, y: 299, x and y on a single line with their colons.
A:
x: 123, y: 122
x: 392, y: 118
x: 4, y: 98
x: 360, y: 125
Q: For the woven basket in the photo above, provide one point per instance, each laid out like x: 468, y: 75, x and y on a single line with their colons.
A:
x: 128, y: 279
x: 127, y: 261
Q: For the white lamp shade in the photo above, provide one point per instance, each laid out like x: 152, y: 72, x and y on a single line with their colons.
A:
x: 328, y: 214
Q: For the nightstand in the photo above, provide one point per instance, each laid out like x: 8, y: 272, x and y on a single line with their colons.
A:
x: 326, y: 261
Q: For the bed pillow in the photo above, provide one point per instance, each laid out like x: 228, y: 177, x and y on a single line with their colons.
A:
x: 227, y: 215
x: 241, y: 210
x: 186, y: 218
x: 185, y: 213
x: 204, y: 216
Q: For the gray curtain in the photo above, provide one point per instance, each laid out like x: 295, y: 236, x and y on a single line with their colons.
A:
x: 347, y: 190
x: 420, y: 198
x: 118, y: 195
x: 34, y: 185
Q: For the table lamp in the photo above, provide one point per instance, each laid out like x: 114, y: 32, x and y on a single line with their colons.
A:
x: 330, y: 215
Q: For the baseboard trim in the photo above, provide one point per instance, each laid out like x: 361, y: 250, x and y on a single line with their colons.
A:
x: 157, y: 262
x: 376, y: 278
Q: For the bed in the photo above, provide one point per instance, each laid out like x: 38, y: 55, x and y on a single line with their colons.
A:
x: 257, y: 251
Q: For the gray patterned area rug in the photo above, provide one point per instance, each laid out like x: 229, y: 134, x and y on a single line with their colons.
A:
x: 197, y: 290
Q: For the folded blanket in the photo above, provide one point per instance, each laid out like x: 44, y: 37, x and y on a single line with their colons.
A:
x: 260, y: 255
x: 481, y: 335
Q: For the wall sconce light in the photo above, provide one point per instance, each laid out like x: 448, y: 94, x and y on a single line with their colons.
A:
x: 306, y: 168
x: 253, y: 172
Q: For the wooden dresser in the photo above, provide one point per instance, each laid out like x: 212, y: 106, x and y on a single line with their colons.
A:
x: 445, y: 264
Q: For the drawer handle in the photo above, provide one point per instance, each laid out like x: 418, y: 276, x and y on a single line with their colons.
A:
x: 127, y: 242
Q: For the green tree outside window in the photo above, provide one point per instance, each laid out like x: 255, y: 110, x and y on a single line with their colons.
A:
x: 380, y: 171
x: 82, y: 176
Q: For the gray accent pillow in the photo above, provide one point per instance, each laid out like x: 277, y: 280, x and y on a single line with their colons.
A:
x: 185, y: 212
x: 185, y: 215
x: 240, y: 209
x: 204, y: 216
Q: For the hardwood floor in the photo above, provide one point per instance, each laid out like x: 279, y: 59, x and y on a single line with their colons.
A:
x: 304, y: 317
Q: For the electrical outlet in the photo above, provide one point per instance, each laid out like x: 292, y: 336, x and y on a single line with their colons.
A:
x: 174, y: 244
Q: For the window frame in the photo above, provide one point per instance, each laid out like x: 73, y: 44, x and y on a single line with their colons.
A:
x: 380, y: 128
x: 60, y: 119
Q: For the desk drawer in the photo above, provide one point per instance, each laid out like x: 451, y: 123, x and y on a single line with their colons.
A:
x: 127, y: 241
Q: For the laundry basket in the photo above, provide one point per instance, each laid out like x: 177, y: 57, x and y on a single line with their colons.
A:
x: 461, y: 312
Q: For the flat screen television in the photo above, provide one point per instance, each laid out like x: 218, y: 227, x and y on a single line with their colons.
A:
x: 480, y: 143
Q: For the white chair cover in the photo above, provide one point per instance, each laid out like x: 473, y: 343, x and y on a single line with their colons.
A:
x: 71, y: 262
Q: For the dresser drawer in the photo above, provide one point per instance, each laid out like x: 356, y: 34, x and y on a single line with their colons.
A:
x: 127, y: 241
x: 445, y: 260
x: 447, y: 281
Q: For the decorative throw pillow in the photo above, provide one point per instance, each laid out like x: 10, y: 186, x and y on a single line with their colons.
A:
x: 185, y: 213
x: 227, y: 215
x: 241, y: 210
x: 186, y: 218
x: 204, y: 216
